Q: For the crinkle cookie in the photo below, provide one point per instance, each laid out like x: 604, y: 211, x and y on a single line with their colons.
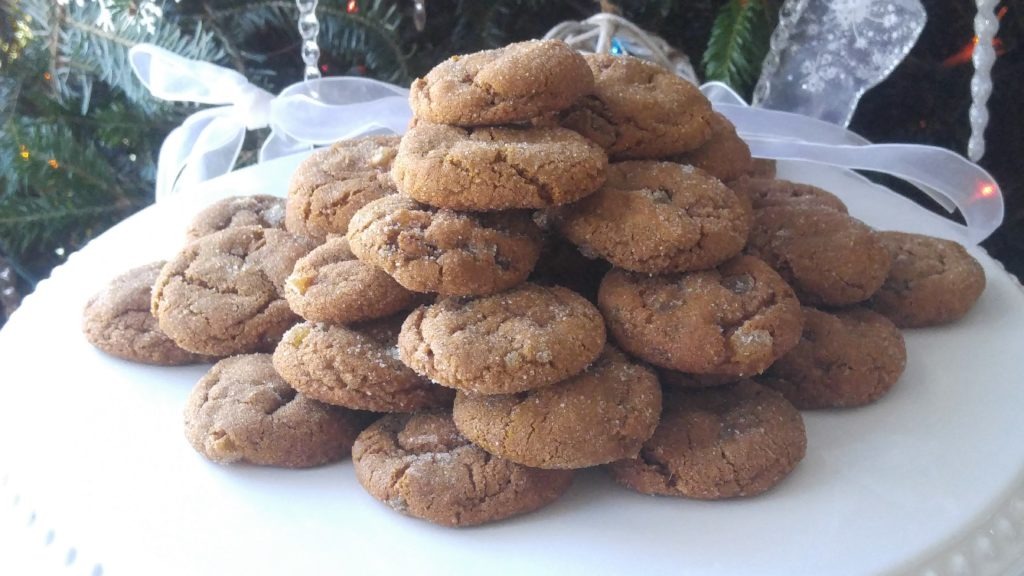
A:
x: 500, y: 168
x: 503, y: 86
x: 117, y: 320
x: 658, y: 217
x: 722, y: 442
x: 421, y: 466
x: 932, y: 281
x: 725, y: 155
x: 242, y: 411
x: 438, y: 250
x: 828, y: 257
x: 525, y: 338
x: 356, y: 367
x: 734, y: 320
x: 258, y: 210
x: 330, y: 285
x: 845, y: 358
x: 603, y: 414
x: 767, y: 192
x: 223, y: 294
x: 640, y: 110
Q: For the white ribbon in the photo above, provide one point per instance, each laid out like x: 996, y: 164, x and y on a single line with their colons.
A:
x: 306, y: 114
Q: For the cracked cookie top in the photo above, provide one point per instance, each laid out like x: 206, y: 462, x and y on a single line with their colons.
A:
x: 258, y: 210
x: 723, y: 442
x: 734, y: 320
x: 510, y: 84
x: 439, y: 250
x: 241, y: 410
x: 489, y: 169
x: 224, y: 293
x: 525, y: 338
x: 658, y: 217
x: 421, y: 466
x: 598, y: 416
x: 640, y: 110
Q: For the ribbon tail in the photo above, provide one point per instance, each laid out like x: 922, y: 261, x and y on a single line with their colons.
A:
x: 214, y: 153
x: 280, y: 144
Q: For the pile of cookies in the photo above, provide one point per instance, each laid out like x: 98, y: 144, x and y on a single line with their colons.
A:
x: 568, y: 261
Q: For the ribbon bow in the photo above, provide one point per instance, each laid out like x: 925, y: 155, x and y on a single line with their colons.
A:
x: 307, y: 114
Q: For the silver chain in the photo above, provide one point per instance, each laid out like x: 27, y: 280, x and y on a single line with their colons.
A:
x: 309, y: 28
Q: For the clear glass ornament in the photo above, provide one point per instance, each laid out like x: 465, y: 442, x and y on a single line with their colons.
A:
x: 419, y: 15
x: 986, y: 24
x: 309, y: 28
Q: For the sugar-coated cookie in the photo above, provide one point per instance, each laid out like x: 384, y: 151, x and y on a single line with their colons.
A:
x: 257, y: 210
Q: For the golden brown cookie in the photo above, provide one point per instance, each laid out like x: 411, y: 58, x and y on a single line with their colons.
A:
x: 735, y: 320
x: 438, y: 250
x: 932, y: 281
x: 242, y: 411
x: 117, y: 320
x: 598, y: 416
x: 766, y: 192
x: 257, y: 210
x: 725, y: 155
x: 501, y: 168
x: 828, y: 257
x: 356, y: 367
x: 333, y: 183
x: 658, y: 217
x: 223, y: 294
x: 722, y: 442
x: 421, y: 466
x: 510, y: 84
x: 330, y: 285
x: 845, y: 358
x: 525, y: 338
x: 640, y: 110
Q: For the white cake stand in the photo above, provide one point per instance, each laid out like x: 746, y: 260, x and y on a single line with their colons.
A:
x: 96, y: 477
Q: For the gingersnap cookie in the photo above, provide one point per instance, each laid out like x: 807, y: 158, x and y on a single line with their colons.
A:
x: 259, y: 210
x: 725, y: 155
x: 828, y: 257
x: 500, y: 168
x: 640, y: 110
x: 439, y: 250
x: 845, y: 358
x: 525, y: 338
x: 355, y: 366
x: 658, y: 217
x: 242, y: 411
x: 766, y: 192
x: 598, y: 416
x: 223, y: 294
x: 763, y: 168
x: 330, y: 285
x: 734, y: 320
x: 419, y: 465
x: 502, y: 86
x: 932, y: 281
x: 723, y: 442
x: 117, y: 320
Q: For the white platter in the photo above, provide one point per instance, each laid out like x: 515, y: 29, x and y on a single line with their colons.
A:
x: 97, y: 479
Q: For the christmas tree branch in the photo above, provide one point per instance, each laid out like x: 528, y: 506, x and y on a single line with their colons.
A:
x: 738, y: 43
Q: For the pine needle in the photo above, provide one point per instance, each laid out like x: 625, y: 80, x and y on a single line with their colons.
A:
x: 738, y: 43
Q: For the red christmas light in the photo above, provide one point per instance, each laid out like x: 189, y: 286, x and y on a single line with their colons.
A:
x: 352, y: 7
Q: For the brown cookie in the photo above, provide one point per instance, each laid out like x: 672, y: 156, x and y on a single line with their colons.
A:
x: 598, y: 416
x: 258, y: 210
x: 502, y: 86
x: 117, y: 320
x: 766, y: 192
x: 684, y: 380
x: 333, y: 183
x: 501, y: 168
x: 725, y: 155
x: 528, y: 337
x: 932, y: 281
x: 734, y: 320
x: 763, y: 168
x: 562, y: 264
x: 223, y: 294
x: 241, y: 410
x: 356, y: 367
x: 330, y: 285
x: 658, y: 217
x: 640, y: 110
x: 845, y: 358
x: 828, y: 257
x: 438, y: 250
x: 420, y: 465
x: 722, y: 442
